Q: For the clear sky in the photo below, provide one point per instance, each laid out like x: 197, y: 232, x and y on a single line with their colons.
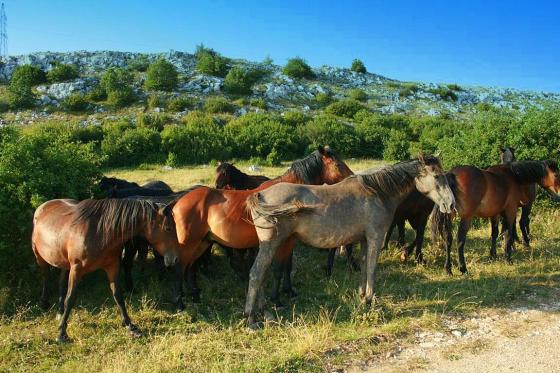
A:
x: 498, y: 43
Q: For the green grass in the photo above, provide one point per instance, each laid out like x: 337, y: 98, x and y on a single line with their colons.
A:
x: 326, y: 326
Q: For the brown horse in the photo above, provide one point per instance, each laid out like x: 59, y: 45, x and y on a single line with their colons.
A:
x: 491, y: 193
x: 208, y: 215
x: 80, y: 237
x: 230, y: 177
x: 507, y: 156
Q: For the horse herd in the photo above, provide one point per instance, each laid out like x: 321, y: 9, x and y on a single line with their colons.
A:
x: 318, y: 201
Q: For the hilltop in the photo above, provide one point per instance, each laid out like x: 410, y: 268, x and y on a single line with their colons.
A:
x: 273, y: 90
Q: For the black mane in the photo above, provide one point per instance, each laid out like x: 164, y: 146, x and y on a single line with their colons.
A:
x: 530, y: 171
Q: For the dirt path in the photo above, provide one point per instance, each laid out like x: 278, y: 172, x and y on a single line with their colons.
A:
x: 515, y: 340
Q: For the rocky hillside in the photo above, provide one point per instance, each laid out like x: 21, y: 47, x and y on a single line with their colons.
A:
x: 279, y: 91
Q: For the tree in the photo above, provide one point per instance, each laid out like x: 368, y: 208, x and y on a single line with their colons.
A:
x: 161, y: 76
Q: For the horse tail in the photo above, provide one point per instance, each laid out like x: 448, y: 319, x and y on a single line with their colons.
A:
x: 440, y: 224
x: 271, y: 213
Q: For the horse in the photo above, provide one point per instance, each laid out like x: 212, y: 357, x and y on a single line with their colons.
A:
x: 230, y: 177
x: 119, y: 188
x: 207, y: 215
x: 358, y: 209
x: 507, y: 156
x: 80, y: 237
x: 495, y: 192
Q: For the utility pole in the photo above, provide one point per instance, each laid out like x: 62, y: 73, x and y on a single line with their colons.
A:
x: 3, y: 33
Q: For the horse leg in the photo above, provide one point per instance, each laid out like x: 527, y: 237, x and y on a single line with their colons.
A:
x: 62, y: 290
x: 374, y: 243
x: 352, y: 262
x: 330, y: 261
x: 389, y: 234
x: 524, y: 223
x: 419, y: 240
x: 282, y: 268
x: 400, y: 240
x: 494, y: 224
x: 363, y: 282
x: 45, y: 269
x: 192, y: 270
x: 287, y: 283
x: 510, y: 217
x: 74, y: 278
x: 464, y: 227
x: 130, y: 251
x: 448, y: 240
x: 113, y: 275
x: 267, y: 250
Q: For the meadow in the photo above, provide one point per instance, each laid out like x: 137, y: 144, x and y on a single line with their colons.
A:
x: 325, y: 327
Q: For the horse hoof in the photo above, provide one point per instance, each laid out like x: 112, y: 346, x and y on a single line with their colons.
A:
x: 404, y: 257
x: 58, y: 316
x: 464, y: 272
x: 63, y: 338
x: 133, y: 331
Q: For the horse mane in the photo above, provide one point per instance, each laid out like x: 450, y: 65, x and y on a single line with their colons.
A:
x: 309, y: 168
x: 107, y: 218
x: 395, y: 179
x: 529, y: 171
x: 234, y: 173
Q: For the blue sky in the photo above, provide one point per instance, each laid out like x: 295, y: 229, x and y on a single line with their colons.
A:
x: 498, y: 43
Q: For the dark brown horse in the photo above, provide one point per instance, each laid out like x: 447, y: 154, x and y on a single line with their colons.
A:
x: 208, y: 215
x: 507, y: 156
x: 230, y: 177
x: 495, y: 192
x: 80, y: 237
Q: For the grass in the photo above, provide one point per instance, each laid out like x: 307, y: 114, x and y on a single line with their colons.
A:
x: 325, y: 327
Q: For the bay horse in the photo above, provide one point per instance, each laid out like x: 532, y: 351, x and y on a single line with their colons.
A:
x: 495, y: 192
x: 230, y: 177
x: 207, y: 215
x: 358, y: 209
x: 119, y: 188
x: 507, y: 156
x: 80, y: 237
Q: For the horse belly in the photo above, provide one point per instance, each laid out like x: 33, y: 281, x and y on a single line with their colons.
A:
x: 329, y: 229
x: 237, y: 236
x: 48, y: 245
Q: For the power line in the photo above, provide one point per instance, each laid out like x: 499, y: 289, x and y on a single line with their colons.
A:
x: 3, y: 33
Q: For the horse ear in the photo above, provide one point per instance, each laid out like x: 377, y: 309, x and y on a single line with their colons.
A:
x: 321, y: 149
x: 421, y: 159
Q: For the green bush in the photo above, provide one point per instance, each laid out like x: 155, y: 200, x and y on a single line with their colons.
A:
x: 239, y: 80
x: 257, y: 134
x: 345, y: 108
x: 454, y: 87
x: 358, y: 66
x: 132, y: 146
x: 154, y: 121
x: 358, y: 95
x: 295, y: 118
x: 298, y: 68
x: 156, y: 100
x: 161, y: 76
x: 119, y: 99
x: 181, y: 103
x: 140, y: 64
x: 218, y: 105
x: 76, y: 102
x: 97, y: 93
x: 37, y: 166
x: 116, y: 79
x: 62, y: 72
x: 396, y: 146
x: 20, y: 95
x: 408, y: 90
x: 445, y: 93
x: 199, y: 140
x: 326, y: 129
x: 259, y: 103
x: 371, y: 138
x: 90, y: 134
x: 323, y: 98
x: 29, y: 75
x: 210, y: 62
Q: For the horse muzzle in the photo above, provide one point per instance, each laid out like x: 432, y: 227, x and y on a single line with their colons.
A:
x: 447, y: 207
x: 170, y: 259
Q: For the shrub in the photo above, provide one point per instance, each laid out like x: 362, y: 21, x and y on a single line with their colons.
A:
x: 218, y: 105
x: 257, y: 134
x: 20, y: 95
x: 396, y: 146
x: 295, y: 118
x: 28, y: 75
x: 371, y: 139
x: 97, y: 93
x: 156, y: 100
x: 445, y: 93
x: 153, y: 121
x: 140, y: 63
x: 273, y: 158
x: 454, y: 87
x: 345, y: 108
x: 181, y: 103
x: 259, y: 102
x: 326, y: 129
x: 161, y: 76
x: 62, y: 72
x: 90, y: 134
x: 131, y: 146
x: 35, y: 167
x: 210, y: 62
x: 116, y: 79
x: 323, y: 98
x: 199, y: 140
x: 358, y: 66
x: 298, y: 68
x: 239, y: 80
x: 119, y: 99
x: 408, y: 90
x: 357, y: 94
x: 75, y: 102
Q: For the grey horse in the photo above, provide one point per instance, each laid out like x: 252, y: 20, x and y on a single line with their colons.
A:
x: 358, y: 209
